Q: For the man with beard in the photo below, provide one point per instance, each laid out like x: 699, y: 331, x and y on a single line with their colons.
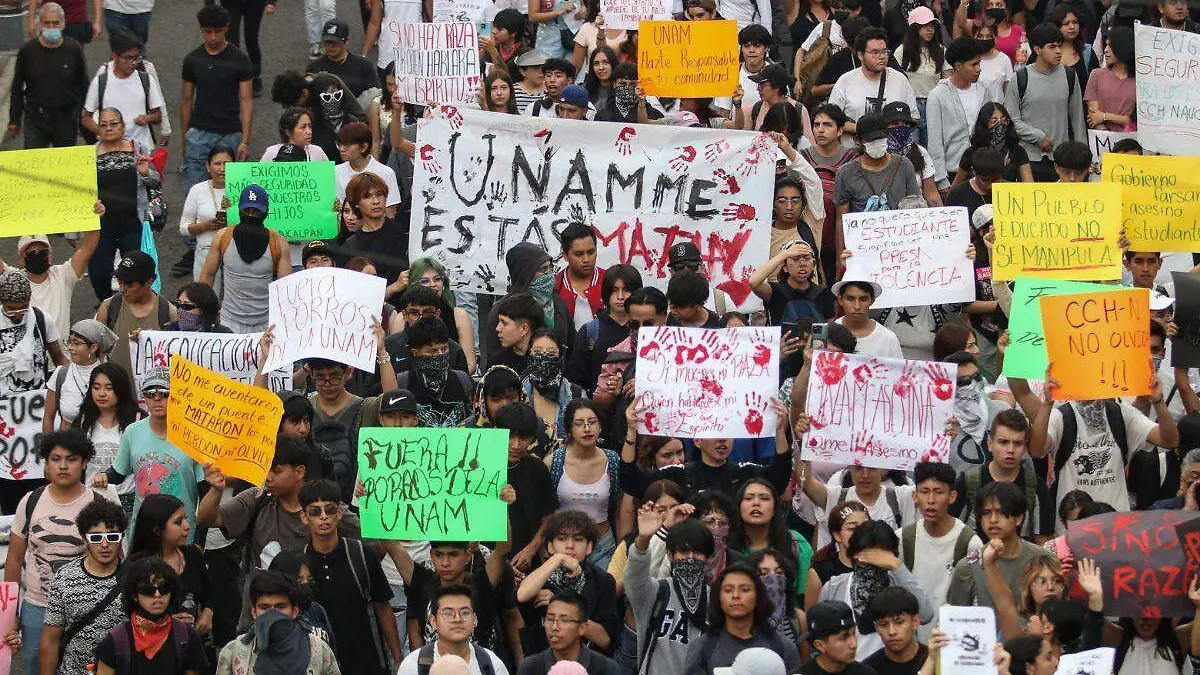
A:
x: 669, y: 612
x: 444, y: 401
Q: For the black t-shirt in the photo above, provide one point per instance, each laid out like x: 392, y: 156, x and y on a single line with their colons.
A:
x: 1017, y: 158
x: 387, y: 247
x: 838, y: 64
x: 789, y: 304
x: 215, y: 104
x: 811, y: 667
x: 490, y: 603
x: 881, y: 664
x: 965, y: 195
x: 713, y: 321
x: 536, y: 499
x: 358, y: 73
x: 164, y: 661
x: 829, y: 568
x: 339, y: 594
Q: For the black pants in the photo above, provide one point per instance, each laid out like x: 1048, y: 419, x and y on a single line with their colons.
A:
x: 250, y: 11
x: 50, y: 129
x: 81, y: 31
x: 100, y: 269
x: 227, y: 602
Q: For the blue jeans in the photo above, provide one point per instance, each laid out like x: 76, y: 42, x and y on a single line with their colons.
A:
x: 199, y: 144
x: 603, y: 551
x: 923, y: 128
x: 626, y: 654
x: 138, y: 24
x: 33, y: 620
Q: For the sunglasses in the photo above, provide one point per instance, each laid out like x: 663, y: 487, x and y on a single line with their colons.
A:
x: 151, y: 590
x: 315, y: 511
x: 679, y: 267
x: 966, y: 380
x: 100, y: 537
x: 157, y: 395
x: 331, y: 96
x: 186, y: 306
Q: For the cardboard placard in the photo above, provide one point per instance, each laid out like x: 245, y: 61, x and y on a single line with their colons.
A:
x: 301, y: 196
x: 688, y: 59
x: 1098, y: 344
x: 1057, y: 231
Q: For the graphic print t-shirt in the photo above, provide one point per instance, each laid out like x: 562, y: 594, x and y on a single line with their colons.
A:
x: 53, y: 540
x: 158, y: 467
x: 1095, y: 464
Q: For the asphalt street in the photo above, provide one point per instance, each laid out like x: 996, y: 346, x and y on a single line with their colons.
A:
x: 173, y: 33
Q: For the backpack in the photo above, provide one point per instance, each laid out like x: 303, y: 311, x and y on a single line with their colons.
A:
x: 889, y: 496
x: 35, y: 497
x: 1023, y: 84
x: 123, y: 643
x: 657, y: 612
x: 226, y: 236
x: 908, y: 537
x: 426, y: 657
x: 1070, y: 432
x: 974, y: 477
x: 114, y: 311
x: 353, y: 548
x: 814, y: 62
x: 102, y: 84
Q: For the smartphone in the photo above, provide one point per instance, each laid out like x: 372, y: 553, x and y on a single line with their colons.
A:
x: 485, y: 29
x: 820, y: 335
x: 797, y: 329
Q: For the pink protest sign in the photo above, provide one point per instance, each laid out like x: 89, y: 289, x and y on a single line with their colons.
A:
x: 9, y: 603
x: 707, y: 383
x: 871, y: 411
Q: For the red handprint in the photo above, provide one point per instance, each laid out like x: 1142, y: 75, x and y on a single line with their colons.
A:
x: 742, y: 212
x: 939, y: 450
x: 731, y: 184
x: 863, y: 373
x: 831, y: 366
x: 625, y: 140
x: 429, y: 159
x: 651, y: 422
x: 6, y: 432
x: 681, y: 161
x: 710, y: 386
x: 650, y: 351
x: 717, y: 346
x: 762, y: 355
x: 943, y: 387
x: 903, y: 386
x: 453, y: 117
x: 714, y: 150
x: 684, y: 354
x: 753, y: 420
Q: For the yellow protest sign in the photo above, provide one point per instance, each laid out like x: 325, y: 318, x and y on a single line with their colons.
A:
x: 1057, y: 231
x: 688, y: 59
x: 1098, y: 343
x: 1160, y: 200
x: 220, y: 421
x: 48, y: 191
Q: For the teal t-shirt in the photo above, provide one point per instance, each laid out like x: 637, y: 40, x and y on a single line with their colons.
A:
x: 158, y: 468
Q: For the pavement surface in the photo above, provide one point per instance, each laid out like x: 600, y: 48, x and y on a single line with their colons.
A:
x: 173, y: 33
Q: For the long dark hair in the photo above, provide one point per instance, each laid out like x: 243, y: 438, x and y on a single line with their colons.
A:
x: 913, y: 49
x: 151, y: 521
x: 789, y: 573
x: 590, y: 81
x: 762, y: 604
x: 385, y: 99
x: 205, y: 299
x: 127, y: 405
x: 1166, y: 645
x: 511, y: 108
x: 1059, y: 15
x: 779, y: 537
x: 782, y: 117
x: 981, y: 136
x: 290, y: 119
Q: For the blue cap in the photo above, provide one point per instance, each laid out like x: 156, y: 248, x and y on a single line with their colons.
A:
x: 254, y: 198
x: 574, y: 94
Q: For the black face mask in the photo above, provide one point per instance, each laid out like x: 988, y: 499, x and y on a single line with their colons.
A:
x: 995, y: 14
x: 38, y: 261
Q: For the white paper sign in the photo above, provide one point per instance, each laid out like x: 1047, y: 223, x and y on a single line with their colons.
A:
x: 20, y: 430
x: 626, y: 14
x: 1102, y: 142
x: 436, y: 62
x: 872, y: 411
x: 327, y: 313
x: 234, y: 355
x: 1097, y: 661
x: 708, y: 383
x: 489, y: 181
x: 475, y: 11
x: 972, y: 647
x: 918, y: 256
x: 1168, y: 100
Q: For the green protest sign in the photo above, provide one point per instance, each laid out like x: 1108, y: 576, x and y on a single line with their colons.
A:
x: 1026, y: 354
x: 433, y: 484
x: 301, y: 196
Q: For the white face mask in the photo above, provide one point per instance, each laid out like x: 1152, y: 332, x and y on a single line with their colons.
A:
x: 876, y: 149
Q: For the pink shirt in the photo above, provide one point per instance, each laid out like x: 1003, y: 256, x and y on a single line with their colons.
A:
x: 1115, y: 95
x: 1010, y: 44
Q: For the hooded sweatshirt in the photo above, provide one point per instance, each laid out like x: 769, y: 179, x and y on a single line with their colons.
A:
x: 675, y: 631
x: 950, y: 124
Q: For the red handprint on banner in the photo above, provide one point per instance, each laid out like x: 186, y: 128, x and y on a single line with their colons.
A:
x: 718, y: 348
x: 714, y: 150
x: 736, y: 212
x: 650, y: 351
x: 730, y: 181
x: 681, y: 161
x: 651, y: 422
x: 762, y: 355
x: 625, y: 140
x: 428, y: 155
x: 943, y: 388
x: 904, y: 385
x: 830, y: 366
x: 753, y: 421
x: 710, y: 386
x: 685, y: 354
x: 453, y: 117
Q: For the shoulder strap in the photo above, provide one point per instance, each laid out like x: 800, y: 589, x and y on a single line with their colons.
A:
x: 1070, y: 430
x: 661, y: 599
x: 1116, y: 424
x: 1022, y: 82
x: 101, y: 85
x: 826, y: 26
x: 484, y: 661
x: 425, y: 659
x: 973, y: 478
x: 122, y: 644
x: 145, y: 78
x: 358, y: 566
x: 889, y: 494
x: 114, y: 309
x: 179, y: 636
x: 1031, y: 490
x: 39, y: 319
x: 1070, y: 92
x: 962, y: 543
x: 557, y: 465
x: 164, y: 311
x: 30, y: 505
x: 719, y: 302
x: 59, y: 379
x: 72, y: 630
x: 908, y: 539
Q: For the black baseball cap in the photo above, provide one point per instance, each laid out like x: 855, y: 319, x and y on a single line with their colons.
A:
x: 398, y: 400
x: 335, y: 30
x: 684, y: 251
x: 135, y: 267
x: 871, y: 127
x: 898, y: 111
x: 776, y: 75
x: 828, y: 617
x: 314, y: 247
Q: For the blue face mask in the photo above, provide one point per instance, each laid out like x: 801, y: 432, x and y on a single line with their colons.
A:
x: 52, y: 35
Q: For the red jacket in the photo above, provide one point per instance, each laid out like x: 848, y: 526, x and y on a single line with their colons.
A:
x: 594, y: 297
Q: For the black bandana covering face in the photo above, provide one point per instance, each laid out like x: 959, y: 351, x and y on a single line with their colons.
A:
x: 433, y: 371
x: 560, y: 581
x: 690, y: 578
x: 545, y: 373
x: 866, y: 581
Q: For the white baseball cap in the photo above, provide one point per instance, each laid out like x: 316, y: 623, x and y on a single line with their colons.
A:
x: 755, y: 661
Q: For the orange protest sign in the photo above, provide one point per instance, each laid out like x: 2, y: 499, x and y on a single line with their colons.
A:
x: 218, y: 420
x: 688, y: 59
x: 1098, y: 343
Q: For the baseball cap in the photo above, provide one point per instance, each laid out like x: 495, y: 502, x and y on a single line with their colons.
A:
x: 776, y: 75
x: 755, y: 661
x: 314, y: 247
x: 871, y: 127
x: 30, y: 239
x: 335, y: 30
x: 531, y: 58
x: 898, y: 111
x: 920, y: 16
x: 983, y: 216
x: 685, y: 118
x: 684, y: 251
x: 828, y: 617
x: 136, y: 266
x: 254, y: 197
x: 573, y: 94
x: 158, y: 378
x: 398, y: 400
x: 1160, y: 301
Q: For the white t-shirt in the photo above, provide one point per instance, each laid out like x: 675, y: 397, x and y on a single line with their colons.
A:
x: 74, y: 388
x: 1095, y: 464
x: 409, y: 665
x: 202, y: 203
x: 343, y: 172
x: 852, y: 90
x: 880, y: 510
x: 997, y: 69
x: 933, y: 559
x: 127, y: 96
x: 836, y: 41
x: 971, y: 99
x: 129, y: 7
x: 53, y: 296
x: 881, y: 342
x: 107, y: 442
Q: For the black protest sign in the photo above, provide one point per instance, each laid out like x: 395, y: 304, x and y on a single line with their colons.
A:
x: 1185, y: 348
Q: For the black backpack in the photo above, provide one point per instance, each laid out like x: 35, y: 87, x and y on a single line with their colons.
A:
x: 1070, y: 433
x: 426, y: 657
x: 1023, y: 84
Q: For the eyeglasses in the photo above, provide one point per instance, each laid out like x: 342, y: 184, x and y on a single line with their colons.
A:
x: 1053, y: 582
x: 449, y: 614
x: 131, y: 58
x: 427, y: 314
x: 326, y: 381
x: 77, y: 342
x: 876, y: 52
x: 559, y: 621
x: 331, y: 96
x: 586, y: 424
x: 187, y: 306
x: 431, y: 281
x: 158, y: 395
x: 315, y: 510
x: 16, y: 313
x: 151, y: 590
x: 99, y: 537
x: 709, y: 521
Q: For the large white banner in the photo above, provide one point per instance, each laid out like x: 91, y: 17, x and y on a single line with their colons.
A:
x: 20, y: 430
x: 234, y: 355
x: 707, y: 383
x: 436, y: 62
x: 489, y: 181
x: 918, y: 256
x: 1168, y: 100
x: 872, y: 411
x: 327, y: 313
